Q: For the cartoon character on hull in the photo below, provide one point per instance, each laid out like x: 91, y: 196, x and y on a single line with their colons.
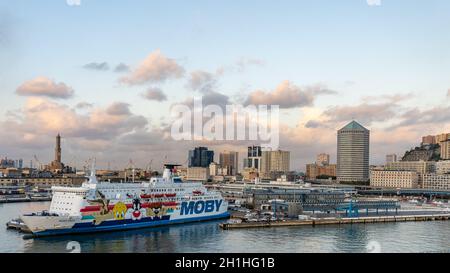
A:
x: 136, y: 212
x: 157, y: 211
x: 119, y: 211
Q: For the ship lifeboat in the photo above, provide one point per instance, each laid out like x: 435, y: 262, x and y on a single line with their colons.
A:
x: 170, y: 194
x: 197, y: 192
x: 159, y: 195
x: 146, y: 195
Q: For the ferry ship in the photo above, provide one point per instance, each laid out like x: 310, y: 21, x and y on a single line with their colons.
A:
x: 105, y: 206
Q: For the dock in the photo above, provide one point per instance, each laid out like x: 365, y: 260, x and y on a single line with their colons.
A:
x: 337, y: 221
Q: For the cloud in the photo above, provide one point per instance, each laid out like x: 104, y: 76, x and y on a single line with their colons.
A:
x: 155, y: 94
x: 154, y: 69
x: 288, y: 95
x: 104, y: 66
x: 365, y: 113
x: 118, y: 109
x: 243, y: 63
x: 394, y: 98
x: 83, y: 105
x: 428, y: 117
x: 44, y: 117
x: 313, y: 124
x: 121, y: 68
x: 42, y: 86
x: 211, y: 98
x: 202, y: 81
x: 73, y: 2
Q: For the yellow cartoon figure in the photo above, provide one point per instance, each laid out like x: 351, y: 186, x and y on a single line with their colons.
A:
x: 119, y: 211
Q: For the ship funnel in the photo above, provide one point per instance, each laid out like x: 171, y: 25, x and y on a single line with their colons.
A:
x: 168, y: 171
x: 93, y: 176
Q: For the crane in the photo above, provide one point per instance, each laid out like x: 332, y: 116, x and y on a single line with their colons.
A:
x: 39, y: 164
x: 130, y: 165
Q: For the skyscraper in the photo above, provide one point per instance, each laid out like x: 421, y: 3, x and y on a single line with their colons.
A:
x: 229, y: 160
x: 353, y: 154
x: 274, y: 161
x: 254, y: 157
x: 200, y: 157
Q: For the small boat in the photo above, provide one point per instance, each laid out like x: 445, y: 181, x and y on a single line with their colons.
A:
x: 17, y: 224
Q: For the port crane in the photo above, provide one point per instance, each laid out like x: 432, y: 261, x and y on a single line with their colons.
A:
x: 39, y: 164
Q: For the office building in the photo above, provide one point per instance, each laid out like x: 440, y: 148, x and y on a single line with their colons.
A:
x: 200, y: 157
x: 353, y: 154
x: 254, y: 157
x: 229, y: 161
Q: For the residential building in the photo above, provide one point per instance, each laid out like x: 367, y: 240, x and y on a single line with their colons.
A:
x: 391, y: 158
x: 274, y: 162
x: 323, y: 159
x: 429, y: 140
x: 420, y: 167
x: 314, y: 170
x: 445, y: 149
x: 198, y: 174
x: 443, y: 167
x: 213, y: 168
x: 436, y: 181
x: 229, y: 161
x: 394, y: 179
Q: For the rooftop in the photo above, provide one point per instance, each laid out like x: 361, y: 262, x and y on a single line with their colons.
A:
x: 354, y: 126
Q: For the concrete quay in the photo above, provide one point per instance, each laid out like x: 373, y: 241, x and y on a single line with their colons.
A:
x: 337, y: 221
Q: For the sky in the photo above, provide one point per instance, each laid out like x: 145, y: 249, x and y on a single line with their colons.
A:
x: 105, y: 74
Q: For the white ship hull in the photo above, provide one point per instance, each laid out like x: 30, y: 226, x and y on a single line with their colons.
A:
x: 100, y: 207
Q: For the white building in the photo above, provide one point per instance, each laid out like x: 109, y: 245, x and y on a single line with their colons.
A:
x: 394, y: 179
x: 436, y: 181
x: 443, y: 167
x: 198, y: 174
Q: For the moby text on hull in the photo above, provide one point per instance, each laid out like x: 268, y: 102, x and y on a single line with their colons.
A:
x: 104, y: 206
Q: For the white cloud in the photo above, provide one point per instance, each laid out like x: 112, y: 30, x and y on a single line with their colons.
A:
x: 154, y: 68
x: 202, y: 81
x: 42, y: 86
x: 73, y: 2
x: 288, y: 95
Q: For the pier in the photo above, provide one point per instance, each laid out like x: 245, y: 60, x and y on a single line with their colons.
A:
x: 337, y: 221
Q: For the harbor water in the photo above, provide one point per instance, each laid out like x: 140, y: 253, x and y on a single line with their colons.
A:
x: 433, y: 236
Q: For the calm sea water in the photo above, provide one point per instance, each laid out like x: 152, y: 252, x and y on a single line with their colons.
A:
x: 208, y: 237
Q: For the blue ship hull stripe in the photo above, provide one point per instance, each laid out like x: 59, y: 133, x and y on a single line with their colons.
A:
x: 105, y: 228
